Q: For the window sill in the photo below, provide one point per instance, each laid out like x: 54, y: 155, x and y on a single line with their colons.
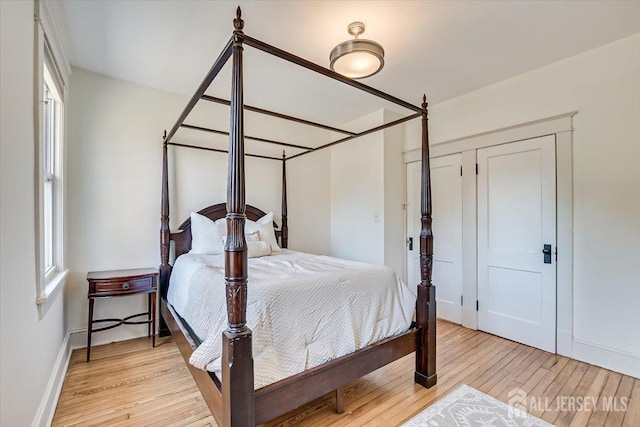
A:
x: 52, y: 289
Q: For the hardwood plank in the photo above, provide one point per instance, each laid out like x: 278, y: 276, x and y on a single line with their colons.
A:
x: 567, y: 415
x: 605, y: 399
x: 632, y: 416
x: 551, y: 414
x: 489, y: 376
x: 508, y: 382
x: 615, y: 418
x: 548, y: 398
x: 526, y: 373
x: 131, y: 384
x: 591, y: 398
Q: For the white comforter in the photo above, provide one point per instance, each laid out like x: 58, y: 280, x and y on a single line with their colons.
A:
x: 303, y: 309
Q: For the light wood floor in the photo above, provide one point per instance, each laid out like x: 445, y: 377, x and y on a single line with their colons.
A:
x: 130, y: 384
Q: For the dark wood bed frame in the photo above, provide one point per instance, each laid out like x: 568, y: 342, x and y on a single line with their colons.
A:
x: 233, y: 400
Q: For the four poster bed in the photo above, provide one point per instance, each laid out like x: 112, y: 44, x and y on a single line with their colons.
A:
x: 235, y: 390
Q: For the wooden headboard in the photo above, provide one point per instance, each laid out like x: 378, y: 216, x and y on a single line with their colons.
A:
x: 182, y: 238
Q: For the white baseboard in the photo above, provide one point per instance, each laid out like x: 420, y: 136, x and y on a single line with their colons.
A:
x: 79, y: 336
x: 47, y: 407
x: 78, y: 339
x: 607, y: 357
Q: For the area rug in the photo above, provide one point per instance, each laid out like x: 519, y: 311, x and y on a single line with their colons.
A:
x: 467, y: 407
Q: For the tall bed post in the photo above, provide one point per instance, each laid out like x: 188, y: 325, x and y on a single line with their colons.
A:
x: 165, y: 267
x: 238, y: 399
x: 284, y: 239
x: 426, y: 305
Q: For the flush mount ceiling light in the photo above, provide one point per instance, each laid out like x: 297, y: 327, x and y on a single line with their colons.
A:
x: 357, y: 58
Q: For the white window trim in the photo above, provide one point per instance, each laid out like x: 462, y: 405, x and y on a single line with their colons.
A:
x: 54, y: 284
x: 49, y: 283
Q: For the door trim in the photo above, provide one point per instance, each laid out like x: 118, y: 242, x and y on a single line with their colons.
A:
x: 549, y: 126
x: 562, y: 127
x: 469, y: 240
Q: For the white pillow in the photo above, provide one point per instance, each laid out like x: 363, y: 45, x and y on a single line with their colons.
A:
x: 258, y: 249
x: 252, y: 237
x: 249, y: 237
x: 205, y: 238
x: 265, y: 226
x: 222, y: 226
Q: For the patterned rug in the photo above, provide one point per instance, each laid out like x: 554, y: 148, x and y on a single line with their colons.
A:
x: 467, y: 407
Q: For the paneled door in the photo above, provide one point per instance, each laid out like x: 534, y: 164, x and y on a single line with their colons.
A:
x: 517, y: 240
x: 446, y: 193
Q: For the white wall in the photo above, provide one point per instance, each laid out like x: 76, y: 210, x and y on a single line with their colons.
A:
x: 367, y: 194
x: 309, y: 194
x: 29, y: 346
x: 357, y: 195
x: 604, y: 87
x: 199, y: 179
x: 394, y: 196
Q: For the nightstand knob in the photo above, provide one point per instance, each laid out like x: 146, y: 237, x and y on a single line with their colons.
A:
x: 125, y: 286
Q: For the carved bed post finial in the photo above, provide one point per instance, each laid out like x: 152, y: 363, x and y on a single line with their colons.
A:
x: 284, y: 240
x: 238, y: 23
x: 426, y: 303
x: 238, y: 398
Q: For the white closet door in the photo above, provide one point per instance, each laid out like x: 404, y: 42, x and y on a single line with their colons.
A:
x: 446, y: 193
x: 516, y: 218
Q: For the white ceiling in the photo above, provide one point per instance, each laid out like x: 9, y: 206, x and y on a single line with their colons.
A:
x: 442, y: 48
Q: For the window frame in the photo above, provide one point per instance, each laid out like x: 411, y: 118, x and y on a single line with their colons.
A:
x: 51, y: 72
x: 50, y: 168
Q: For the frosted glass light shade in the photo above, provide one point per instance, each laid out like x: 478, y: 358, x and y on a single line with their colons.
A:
x: 357, y: 59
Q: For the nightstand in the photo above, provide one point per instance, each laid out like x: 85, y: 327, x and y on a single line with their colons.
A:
x: 121, y: 283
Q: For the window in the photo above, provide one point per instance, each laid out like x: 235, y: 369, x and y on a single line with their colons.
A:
x: 50, y: 147
x: 49, y: 197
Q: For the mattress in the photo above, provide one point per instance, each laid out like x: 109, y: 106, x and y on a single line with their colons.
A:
x: 303, y: 309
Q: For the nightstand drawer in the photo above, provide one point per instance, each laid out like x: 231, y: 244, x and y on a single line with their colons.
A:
x: 133, y: 285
